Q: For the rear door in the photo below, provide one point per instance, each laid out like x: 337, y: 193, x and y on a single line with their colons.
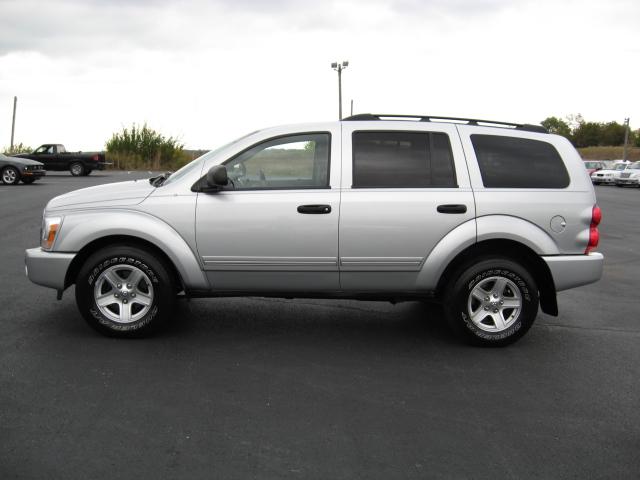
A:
x: 404, y: 187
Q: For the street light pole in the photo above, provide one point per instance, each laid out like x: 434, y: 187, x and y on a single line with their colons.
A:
x: 338, y: 67
x: 626, y: 138
x: 13, y: 122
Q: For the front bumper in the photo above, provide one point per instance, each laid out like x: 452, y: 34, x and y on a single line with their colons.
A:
x: 48, y: 269
x: 597, y: 179
x: 33, y: 173
x: 570, y: 271
x: 627, y: 181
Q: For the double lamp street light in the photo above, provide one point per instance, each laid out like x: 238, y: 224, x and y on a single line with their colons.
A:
x: 338, y: 67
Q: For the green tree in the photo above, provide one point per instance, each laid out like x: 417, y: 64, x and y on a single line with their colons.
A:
x: 612, y: 134
x: 587, y: 134
x: 557, y: 126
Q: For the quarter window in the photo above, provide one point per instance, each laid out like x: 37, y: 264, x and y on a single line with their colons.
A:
x: 297, y: 161
x: 395, y: 159
x: 511, y: 162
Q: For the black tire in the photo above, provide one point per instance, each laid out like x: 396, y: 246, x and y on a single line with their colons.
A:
x: 156, y: 286
x: 10, y: 175
x: 459, y: 302
x: 28, y: 180
x: 77, y: 169
x: 88, y: 172
x: 619, y: 185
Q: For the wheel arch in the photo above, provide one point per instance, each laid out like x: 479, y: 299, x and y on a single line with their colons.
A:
x: 128, y: 240
x: 87, y: 232
x: 512, y: 250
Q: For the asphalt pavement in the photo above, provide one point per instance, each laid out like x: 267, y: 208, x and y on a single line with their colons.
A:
x: 312, y: 389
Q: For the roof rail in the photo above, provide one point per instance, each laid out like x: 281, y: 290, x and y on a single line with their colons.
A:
x: 434, y: 118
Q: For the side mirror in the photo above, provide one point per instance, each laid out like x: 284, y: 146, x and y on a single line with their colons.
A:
x: 217, y: 176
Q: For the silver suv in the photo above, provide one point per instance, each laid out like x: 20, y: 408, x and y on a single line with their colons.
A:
x: 491, y: 219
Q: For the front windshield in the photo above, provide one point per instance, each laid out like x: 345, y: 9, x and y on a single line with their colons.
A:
x: 620, y: 166
x: 189, y: 167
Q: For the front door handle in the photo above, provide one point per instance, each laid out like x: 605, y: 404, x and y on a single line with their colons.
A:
x: 452, y: 208
x: 314, y: 209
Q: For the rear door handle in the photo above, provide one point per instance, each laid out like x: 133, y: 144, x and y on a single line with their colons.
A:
x: 452, y: 208
x: 314, y: 209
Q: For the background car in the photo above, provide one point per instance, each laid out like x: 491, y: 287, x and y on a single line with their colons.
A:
x: 593, y: 166
x: 630, y: 177
x: 13, y: 169
x: 609, y: 175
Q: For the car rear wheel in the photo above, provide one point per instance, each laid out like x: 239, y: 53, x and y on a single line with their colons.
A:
x: 10, y: 175
x: 492, y: 303
x: 124, y: 291
x: 76, y: 169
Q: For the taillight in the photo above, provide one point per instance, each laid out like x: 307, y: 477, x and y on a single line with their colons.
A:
x: 96, y: 158
x: 594, y: 235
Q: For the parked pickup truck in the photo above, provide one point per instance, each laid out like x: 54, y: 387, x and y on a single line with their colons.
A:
x: 55, y: 157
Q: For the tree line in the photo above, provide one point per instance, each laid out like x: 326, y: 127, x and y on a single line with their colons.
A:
x: 590, y: 134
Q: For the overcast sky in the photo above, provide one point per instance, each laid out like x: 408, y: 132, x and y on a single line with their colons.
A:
x: 210, y: 71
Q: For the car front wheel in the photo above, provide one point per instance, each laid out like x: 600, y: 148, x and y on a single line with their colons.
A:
x: 492, y: 303
x: 125, y: 291
x: 10, y: 175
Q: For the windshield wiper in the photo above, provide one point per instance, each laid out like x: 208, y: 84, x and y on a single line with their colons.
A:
x: 158, y: 180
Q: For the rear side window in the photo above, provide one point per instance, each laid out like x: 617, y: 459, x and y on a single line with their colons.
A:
x: 511, y: 162
x: 402, y: 160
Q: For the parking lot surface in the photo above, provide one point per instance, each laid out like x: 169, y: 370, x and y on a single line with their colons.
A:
x: 269, y: 388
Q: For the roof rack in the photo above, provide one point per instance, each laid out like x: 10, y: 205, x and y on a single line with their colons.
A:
x: 434, y: 118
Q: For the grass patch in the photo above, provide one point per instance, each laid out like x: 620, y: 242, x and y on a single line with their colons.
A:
x: 609, y: 153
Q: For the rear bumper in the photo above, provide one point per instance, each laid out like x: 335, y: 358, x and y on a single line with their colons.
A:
x: 102, y: 165
x: 48, y: 269
x: 570, y: 271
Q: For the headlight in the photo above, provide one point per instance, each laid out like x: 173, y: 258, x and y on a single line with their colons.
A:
x: 50, y: 229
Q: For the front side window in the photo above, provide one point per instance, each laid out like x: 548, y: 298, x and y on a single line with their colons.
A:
x: 513, y: 162
x: 394, y: 159
x: 42, y: 149
x: 296, y: 161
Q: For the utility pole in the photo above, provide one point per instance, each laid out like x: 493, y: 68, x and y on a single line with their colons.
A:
x: 13, y: 122
x: 338, y: 67
x: 352, y: 107
x: 626, y: 138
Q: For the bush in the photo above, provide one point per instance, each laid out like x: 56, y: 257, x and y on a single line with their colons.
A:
x: 144, y: 148
x: 17, y: 148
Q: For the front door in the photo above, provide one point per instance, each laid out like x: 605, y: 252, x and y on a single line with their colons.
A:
x: 46, y: 155
x: 275, y: 227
